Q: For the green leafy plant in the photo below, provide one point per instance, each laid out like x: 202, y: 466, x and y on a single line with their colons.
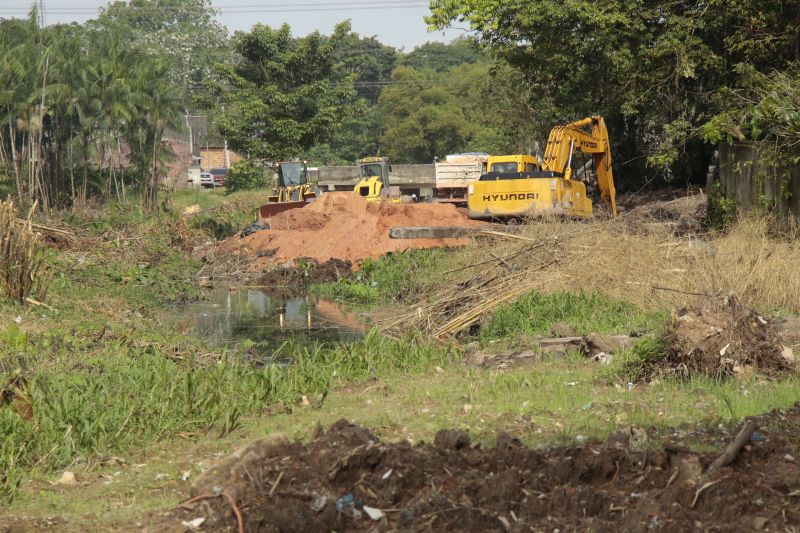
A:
x: 247, y: 175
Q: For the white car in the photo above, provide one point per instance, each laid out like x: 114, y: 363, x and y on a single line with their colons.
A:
x: 206, y: 179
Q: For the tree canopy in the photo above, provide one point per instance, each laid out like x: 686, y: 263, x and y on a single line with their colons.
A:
x: 281, y: 99
x: 657, y: 70
x: 69, y: 101
x: 185, y: 32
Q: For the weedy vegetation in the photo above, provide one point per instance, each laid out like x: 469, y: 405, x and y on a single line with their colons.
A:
x: 395, y: 277
x: 24, y: 267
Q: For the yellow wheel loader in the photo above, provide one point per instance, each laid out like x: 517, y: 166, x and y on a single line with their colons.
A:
x: 374, y: 182
x: 520, y: 186
x: 293, y: 189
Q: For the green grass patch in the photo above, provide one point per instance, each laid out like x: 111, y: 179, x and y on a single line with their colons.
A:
x: 105, y: 397
x: 393, y: 277
x: 213, y: 198
x: 536, y: 312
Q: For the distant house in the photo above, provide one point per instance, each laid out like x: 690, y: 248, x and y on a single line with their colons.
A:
x: 217, y: 157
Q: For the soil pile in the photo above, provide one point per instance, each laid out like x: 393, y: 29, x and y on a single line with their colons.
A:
x: 347, y: 480
x: 345, y: 226
x: 720, y: 339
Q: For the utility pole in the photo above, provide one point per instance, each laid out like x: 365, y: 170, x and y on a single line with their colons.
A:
x: 189, y: 126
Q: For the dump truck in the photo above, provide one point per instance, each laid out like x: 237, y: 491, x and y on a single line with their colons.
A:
x: 521, y: 186
x: 455, y: 173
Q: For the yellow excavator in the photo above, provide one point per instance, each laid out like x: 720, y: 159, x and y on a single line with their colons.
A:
x: 293, y: 189
x: 374, y: 182
x: 519, y: 186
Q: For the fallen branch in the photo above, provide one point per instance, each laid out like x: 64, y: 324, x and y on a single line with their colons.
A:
x: 700, y: 491
x: 732, y: 450
x: 503, y: 234
x: 234, y: 508
x: 657, y: 288
x: 37, y: 302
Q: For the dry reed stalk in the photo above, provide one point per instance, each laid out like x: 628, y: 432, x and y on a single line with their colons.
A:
x: 24, y: 272
x: 624, y: 259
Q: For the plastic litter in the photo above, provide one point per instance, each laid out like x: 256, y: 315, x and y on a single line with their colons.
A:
x: 373, y: 513
x: 346, y: 501
x: 319, y: 503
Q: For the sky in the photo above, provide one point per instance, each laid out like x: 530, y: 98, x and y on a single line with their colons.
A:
x: 398, y: 23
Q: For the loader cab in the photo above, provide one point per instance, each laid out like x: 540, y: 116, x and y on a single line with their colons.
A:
x: 292, y: 173
x: 373, y: 175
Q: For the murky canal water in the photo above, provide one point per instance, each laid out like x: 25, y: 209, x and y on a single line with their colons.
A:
x: 230, y: 315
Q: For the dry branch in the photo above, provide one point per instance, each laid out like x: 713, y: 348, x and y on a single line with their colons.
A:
x: 732, y: 450
x: 24, y: 272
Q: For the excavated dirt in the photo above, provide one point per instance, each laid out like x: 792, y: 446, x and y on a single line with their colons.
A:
x: 347, y: 480
x: 344, y: 226
x: 720, y: 339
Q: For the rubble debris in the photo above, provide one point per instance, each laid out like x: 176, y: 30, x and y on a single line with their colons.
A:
x: 447, y: 488
x: 721, y: 338
x: 306, y: 271
x: 684, y: 215
x: 258, y: 225
x: 599, y: 347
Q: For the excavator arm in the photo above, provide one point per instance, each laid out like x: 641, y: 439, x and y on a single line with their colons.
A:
x: 588, y: 136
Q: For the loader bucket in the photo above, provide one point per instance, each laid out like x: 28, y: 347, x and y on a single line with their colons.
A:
x: 268, y: 210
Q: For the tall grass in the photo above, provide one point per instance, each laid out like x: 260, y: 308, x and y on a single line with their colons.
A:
x: 622, y: 259
x: 89, y: 407
x: 24, y: 270
x: 536, y: 312
x: 397, y: 276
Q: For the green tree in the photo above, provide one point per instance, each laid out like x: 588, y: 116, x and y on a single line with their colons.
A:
x: 71, y: 101
x: 185, y: 32
x: 655, y: 69
x: 280, y: 99
x: 367, y: 61
x: 422, y: 118
x: 441, y: 57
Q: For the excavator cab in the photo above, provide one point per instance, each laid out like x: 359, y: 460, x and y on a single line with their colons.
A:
x: 373, y: 175
x: 293, y: 189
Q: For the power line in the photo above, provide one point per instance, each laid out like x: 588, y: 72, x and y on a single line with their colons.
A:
x: 350, y: 5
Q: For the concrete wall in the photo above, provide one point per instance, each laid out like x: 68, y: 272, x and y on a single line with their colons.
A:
x: 747, y: 176
x: 416, y: 178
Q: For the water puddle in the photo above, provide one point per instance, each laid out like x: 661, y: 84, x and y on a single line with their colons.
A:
x: 230, y: 315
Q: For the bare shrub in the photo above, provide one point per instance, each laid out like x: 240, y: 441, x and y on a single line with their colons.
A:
x: 24, y: 272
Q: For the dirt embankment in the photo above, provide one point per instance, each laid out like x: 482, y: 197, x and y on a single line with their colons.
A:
x: 347, y: 480
x: 344, y: 226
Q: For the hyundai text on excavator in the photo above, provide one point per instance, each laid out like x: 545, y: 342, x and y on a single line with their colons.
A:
x: 292, y: 190
x: 374, y: 178
x: 519, y: 186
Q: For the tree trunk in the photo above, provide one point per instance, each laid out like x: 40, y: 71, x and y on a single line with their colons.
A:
x: 153, y: 188
x: 121, y: 171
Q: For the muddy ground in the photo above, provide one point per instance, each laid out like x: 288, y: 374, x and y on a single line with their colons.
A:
x: 345, y: 479
x: 305, y: 272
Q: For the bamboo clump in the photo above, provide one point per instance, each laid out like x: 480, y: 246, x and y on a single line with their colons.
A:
x: 24, y: 272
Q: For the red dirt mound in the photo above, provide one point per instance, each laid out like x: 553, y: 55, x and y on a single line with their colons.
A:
x: 345, y: 226
x: 347, y: 480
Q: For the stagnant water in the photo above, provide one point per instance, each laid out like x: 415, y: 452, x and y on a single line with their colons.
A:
x: 230, y: 315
